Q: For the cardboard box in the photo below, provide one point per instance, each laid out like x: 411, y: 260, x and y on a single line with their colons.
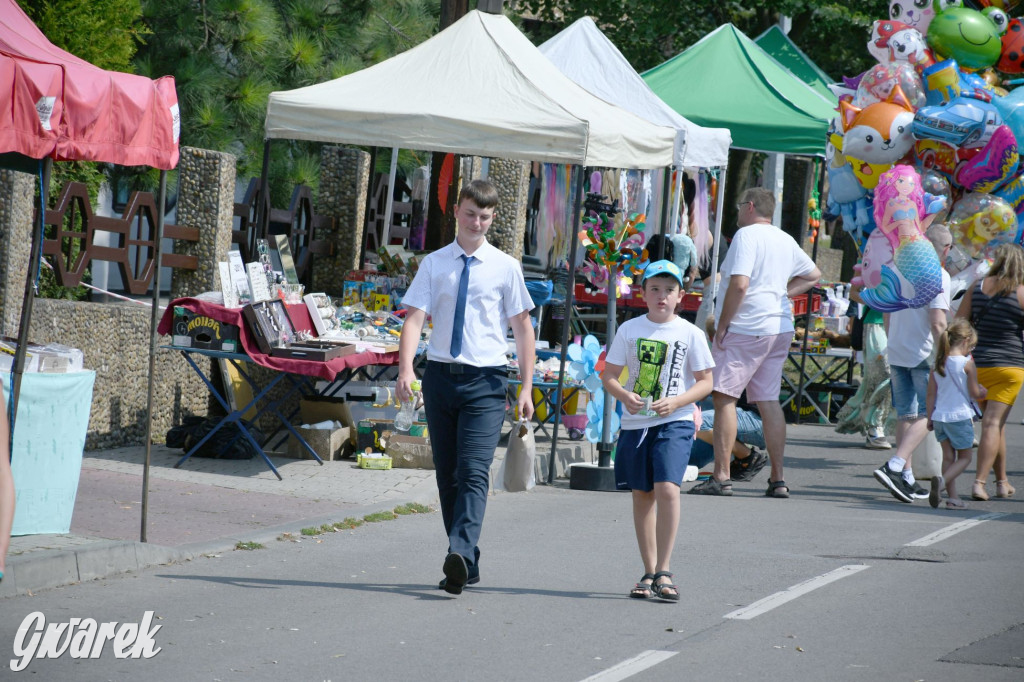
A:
x: 410, y: 452
x: 320, y: 409
x: 330, y: 444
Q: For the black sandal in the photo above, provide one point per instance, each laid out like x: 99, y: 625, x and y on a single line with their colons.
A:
x: 642, y: 590
x: 662, y: 589
x: 777, y: 489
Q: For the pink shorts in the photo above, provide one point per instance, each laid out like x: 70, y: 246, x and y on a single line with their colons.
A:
x: 753, y: 363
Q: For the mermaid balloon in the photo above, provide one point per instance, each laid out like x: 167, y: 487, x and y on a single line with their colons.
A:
x: 900, y: 268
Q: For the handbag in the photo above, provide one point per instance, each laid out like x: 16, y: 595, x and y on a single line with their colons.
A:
x: 857, y: 333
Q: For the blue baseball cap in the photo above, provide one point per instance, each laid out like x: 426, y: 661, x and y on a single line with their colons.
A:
x: 663, y: 267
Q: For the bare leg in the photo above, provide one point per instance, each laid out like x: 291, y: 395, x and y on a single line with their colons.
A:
x: 667, y: 496
x: 644, y: 523
x: 909, y: 434
x: 963, y: 459
x: 999, y: 465
x: 725, y: 433
x: 992, y: 422
x: 774, y: 424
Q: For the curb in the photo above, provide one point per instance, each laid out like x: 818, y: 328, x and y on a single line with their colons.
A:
x: 105, y: 558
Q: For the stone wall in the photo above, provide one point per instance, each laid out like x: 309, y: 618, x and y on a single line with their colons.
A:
x: 17, y: 198
x: 206, y: 200
x: 512, y: 178
x: 114, y: 337
x: 344, y: 182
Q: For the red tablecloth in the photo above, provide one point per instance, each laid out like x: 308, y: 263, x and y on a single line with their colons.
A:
x: 324, y: 370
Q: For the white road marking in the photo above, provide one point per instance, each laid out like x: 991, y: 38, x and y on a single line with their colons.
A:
x: 632, y: 666
x: 780, y: 598
x: 958, y: 527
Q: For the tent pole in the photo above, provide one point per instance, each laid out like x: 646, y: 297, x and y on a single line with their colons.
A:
x: 719, y: 204
x: 678, y: 197
x: 35, y: 253
x: 153, y: 321
x: 570, y: 289
x: 807, y: 324
x: 665, y: 194
x: 390, y: 199
x: 259, y: 230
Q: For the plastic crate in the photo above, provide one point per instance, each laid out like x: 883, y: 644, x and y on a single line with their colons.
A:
x: 380, y: 463
x: 800, y: 304
x: 692, y: 301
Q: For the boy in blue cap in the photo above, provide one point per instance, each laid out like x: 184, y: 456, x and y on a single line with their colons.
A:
x: 669, y: 365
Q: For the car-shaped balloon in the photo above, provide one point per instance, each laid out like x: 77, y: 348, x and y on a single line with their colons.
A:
x: 966, y: 121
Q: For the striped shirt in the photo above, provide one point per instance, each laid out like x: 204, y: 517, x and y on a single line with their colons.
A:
x: 999, y: 327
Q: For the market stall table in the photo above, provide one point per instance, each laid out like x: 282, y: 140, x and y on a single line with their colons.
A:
x: 337, y: 371
x: 827, y: 372
x: 545, y: 400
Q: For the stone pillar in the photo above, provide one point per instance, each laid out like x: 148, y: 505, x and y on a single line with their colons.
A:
x: 344, y: 182
x: 512, y: 178
x: 206, y: 200
x: 17, y: 202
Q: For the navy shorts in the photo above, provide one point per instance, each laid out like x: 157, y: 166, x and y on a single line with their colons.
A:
x: 644, y: 457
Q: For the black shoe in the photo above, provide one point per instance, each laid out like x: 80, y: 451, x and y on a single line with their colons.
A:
x: 745, y: 469
x: 456, y: 573
x: 918, y: 492
x: 711, y: 487
x: 894, y: 483
x: 472, y: 580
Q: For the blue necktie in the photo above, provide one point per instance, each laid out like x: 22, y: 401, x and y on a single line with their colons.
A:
x: 460, y: 307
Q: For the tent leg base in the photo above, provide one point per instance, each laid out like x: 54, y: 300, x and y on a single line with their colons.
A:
x: 591, y: 477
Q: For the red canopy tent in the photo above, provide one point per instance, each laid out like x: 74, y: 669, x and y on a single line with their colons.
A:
x: 53, y: 104
x: 57, y: 107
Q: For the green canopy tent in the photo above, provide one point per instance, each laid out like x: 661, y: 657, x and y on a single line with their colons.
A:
x: 785, y: 52
x: 726, y: 80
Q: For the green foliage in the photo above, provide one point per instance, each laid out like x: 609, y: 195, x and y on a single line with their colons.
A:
x: 832, y: 33
x: 227, y: 56
x: 73, y: 25
x: 249, y: 546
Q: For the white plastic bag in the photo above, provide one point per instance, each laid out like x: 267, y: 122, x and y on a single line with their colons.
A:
x: 517, y: 469
x: 926, y: 461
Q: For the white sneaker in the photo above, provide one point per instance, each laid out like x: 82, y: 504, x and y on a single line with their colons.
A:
x: 877, y: 443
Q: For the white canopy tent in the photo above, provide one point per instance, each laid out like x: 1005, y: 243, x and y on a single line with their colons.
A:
x: 479, y: 87
x: 586, y: 55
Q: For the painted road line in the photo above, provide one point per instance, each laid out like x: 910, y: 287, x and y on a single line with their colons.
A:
x: 952, y: 530
x: 632, y: 666
x: 787, y: 595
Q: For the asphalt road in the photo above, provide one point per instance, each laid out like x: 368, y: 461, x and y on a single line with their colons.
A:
x: 840, y: 582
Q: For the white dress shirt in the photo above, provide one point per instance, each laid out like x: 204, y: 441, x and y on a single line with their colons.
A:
x: 497, y: 291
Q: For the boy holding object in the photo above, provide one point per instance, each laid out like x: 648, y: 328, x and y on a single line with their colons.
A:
x: 669, y: 365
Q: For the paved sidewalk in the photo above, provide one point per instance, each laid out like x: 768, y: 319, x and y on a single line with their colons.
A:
x: 206, y: 506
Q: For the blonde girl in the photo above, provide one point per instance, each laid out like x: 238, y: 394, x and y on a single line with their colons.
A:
x: 952, y: 388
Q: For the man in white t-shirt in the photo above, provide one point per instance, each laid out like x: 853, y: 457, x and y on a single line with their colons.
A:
x: 913, y: 334
x: 765, y: 266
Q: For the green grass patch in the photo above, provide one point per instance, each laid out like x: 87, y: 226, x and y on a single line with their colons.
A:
x: 412, y: 508
x: 349, y: 522
x: 250, y: 545
x: 312, y: 530
x: 380, y: 516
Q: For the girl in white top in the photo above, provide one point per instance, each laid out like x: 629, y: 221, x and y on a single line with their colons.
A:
x: 952, y: 389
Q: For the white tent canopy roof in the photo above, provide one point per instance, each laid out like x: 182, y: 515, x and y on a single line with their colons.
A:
x: 479, y: 87
x: 586, y: 55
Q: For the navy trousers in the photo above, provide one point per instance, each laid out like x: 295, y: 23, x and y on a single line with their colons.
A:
x: 465, y: 408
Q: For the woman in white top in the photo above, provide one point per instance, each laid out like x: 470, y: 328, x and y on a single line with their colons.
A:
x: 952, y: 388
